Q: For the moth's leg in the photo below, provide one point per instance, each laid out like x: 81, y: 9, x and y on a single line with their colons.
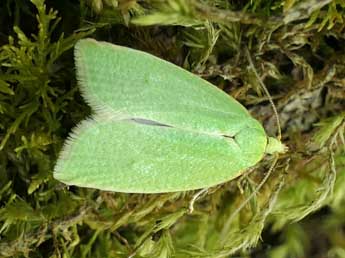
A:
x: 195, y: 197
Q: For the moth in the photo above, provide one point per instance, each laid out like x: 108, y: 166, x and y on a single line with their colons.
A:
x: 155, y: 127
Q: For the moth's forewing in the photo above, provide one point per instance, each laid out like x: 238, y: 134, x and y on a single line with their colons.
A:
x: 125, y: 156
x: 140, y: 85
x: 156, y: 127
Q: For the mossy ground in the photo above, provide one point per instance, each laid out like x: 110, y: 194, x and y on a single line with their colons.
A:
x: 298, y: 50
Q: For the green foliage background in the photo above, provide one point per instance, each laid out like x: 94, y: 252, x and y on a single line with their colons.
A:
x: 298, y: 50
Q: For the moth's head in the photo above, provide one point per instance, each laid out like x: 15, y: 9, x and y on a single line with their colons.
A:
x: 275, y: 146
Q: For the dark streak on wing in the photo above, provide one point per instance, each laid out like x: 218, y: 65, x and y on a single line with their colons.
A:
x: 228, y: 136
x: 148, y: 122
x: 234, y: 140
x: 155, y: 123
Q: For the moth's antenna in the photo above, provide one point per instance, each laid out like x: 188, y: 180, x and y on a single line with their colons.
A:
x: 257, y: 189
x: 251, y: 64
x: 263, y: 181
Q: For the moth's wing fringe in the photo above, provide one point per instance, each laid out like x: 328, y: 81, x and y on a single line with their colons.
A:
x: 79, y: 128
x: 68, y: 144
x: 102, y: 111
x: 81, y: 76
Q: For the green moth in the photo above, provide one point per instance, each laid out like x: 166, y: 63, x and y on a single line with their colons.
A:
x: 156, y: 127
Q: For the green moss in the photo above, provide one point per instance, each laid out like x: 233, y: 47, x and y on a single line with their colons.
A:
x: 297, y: 49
